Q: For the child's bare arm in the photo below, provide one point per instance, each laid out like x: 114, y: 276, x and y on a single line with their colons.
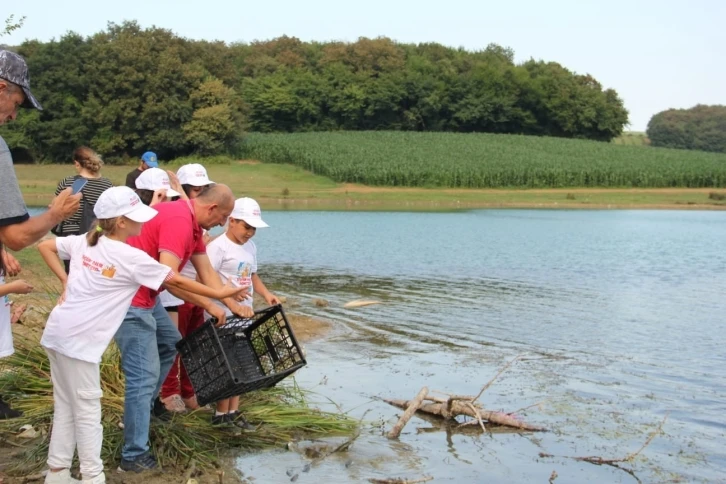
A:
x: 262, y: 290
x: 49, y: 251
x: 15, y: 287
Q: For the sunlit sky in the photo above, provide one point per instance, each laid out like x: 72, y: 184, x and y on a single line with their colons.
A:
x: 656, y: 54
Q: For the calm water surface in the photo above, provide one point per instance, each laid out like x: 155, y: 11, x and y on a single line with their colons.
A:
x: 619, y: 317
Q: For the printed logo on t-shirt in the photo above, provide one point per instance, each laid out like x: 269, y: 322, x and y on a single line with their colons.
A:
x: 244, y: 273
x: 6, y: 301
x: 100, y: 267
x: 109, y: 271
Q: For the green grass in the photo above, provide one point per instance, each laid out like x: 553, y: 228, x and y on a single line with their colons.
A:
x: 485, y: 160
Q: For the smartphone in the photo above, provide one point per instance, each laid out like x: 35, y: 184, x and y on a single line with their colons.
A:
x: 78, y: 185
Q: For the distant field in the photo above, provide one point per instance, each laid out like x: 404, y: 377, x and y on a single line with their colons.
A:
x: 632, y: 138
x: 485, y: 160
x: 290, y: 187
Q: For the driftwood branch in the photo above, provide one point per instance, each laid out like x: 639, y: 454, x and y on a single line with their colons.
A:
x: 458, y: 408
x: 396, y: 480
x: 499, y: 373
x: 597, y: 460
x: 414, y: 405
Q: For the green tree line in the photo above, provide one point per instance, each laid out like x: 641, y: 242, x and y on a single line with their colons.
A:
x: 128, y: 89
x: 698, y: 128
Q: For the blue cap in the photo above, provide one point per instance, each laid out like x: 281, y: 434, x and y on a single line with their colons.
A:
x: 150, y: 159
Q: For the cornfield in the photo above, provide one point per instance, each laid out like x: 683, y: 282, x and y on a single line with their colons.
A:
x: 485, y: 160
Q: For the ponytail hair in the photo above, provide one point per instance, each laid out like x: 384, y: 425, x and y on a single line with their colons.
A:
x: 2, y: 260
x: 88, y: 159
x: 100, y: 227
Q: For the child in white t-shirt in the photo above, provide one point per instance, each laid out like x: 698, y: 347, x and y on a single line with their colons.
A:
x: 106, y: 273
x: 9, y: 314
x: 234, y: 256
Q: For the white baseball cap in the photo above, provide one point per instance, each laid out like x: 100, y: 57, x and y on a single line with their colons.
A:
x: 155, y: 179
x: 118, y: 201
x: 248, y: 210
x: 193, y: 174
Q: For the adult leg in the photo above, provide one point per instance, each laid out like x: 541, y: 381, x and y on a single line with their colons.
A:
x: 136, y: 338
x: 167, y: 336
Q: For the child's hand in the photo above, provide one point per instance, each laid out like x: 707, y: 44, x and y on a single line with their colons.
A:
x: 20, y: 287
x: 159, y: 196
x: 235, y: 292
x: 17, y: 312
x: 272, y: 300
x: 62, y: 297
x: 242, y: 311
x: 12, y: 266
x: 174, y: 183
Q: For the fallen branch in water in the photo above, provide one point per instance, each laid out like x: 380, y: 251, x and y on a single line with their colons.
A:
x: 457, y: 408
x: 410, y: 410
x: 397, y: 480
x: 460, y: 405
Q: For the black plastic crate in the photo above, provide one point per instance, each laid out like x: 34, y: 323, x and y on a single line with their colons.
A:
x: 240, y: 356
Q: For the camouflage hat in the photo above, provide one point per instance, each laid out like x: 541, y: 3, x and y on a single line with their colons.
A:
x: 14, y: 69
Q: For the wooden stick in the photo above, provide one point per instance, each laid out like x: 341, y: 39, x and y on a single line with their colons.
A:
x: 478, y: 415
x: 458, y: 408
x: 489, y: 383
x: 413, y: 405
x: 399, y: 480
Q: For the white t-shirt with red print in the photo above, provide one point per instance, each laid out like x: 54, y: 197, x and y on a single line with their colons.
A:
x: 233, y: 262
x: 102, y: 282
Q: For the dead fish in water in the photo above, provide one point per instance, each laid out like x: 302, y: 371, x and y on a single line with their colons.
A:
x: 360, y: 303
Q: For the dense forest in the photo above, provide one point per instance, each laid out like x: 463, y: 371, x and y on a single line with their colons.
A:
x: 128, y: 89
x: 699, y: 128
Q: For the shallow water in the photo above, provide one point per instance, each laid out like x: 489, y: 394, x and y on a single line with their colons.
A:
x: 618, y: 317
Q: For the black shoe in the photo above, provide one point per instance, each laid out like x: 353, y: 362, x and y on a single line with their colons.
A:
x: 241, y: 422
x: 159, y: 411
x: 144, y: 462
x: 6, y: 412
x: 225, y: 423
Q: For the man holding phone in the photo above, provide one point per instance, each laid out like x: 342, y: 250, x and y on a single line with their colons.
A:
x: 17, y: 229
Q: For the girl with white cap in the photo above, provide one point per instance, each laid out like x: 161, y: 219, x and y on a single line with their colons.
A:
x: 105, y: 275
x: 234, y: 256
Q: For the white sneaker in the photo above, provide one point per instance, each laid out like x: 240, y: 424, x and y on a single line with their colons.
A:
x: 62, y: 477
x: 99, y: 479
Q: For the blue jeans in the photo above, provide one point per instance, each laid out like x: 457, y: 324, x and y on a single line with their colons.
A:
x: 147, y: 340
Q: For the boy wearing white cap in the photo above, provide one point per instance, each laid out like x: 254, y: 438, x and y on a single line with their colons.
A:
x: 154, y: 186
x: 106, y: 274
x: 234, y: 257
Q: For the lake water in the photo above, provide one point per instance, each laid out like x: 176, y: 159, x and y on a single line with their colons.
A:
x: 619, y: 318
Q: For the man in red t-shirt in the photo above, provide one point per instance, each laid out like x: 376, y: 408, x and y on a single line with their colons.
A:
x: 147, y: 337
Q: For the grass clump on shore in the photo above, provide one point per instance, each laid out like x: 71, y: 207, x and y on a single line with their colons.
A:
x: 283, y: 415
